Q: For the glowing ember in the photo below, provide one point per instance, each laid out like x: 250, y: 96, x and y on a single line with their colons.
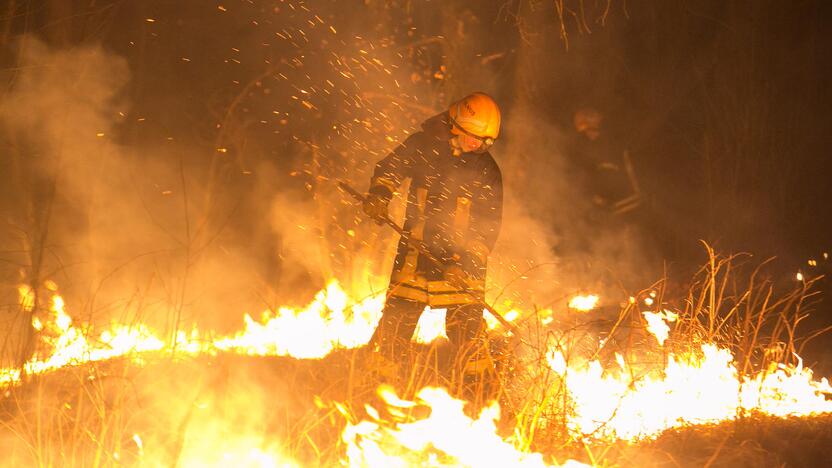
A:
x: 584, y: 303
x: 446, y: 437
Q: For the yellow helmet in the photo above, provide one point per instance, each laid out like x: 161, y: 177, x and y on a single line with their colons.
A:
x: 476, y: 115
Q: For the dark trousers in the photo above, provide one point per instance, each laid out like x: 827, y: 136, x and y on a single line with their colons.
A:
x: 464, y: 324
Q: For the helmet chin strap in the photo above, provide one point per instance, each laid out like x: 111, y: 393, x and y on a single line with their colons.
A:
x: 455, y: 148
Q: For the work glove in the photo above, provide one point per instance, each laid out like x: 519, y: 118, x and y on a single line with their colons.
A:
x: 454, y: 271
x: 375, y: 206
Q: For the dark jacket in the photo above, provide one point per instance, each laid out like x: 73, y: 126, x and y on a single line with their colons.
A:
x: 454, y: 206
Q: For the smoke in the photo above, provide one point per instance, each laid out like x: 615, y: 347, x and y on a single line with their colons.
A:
x: 552, y: 244
x: 171, y: 234
x: 129, y: 230
x: 137, y: 230
x: 148, y: 231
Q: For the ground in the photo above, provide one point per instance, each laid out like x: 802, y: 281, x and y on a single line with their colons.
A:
x: 213, y: 406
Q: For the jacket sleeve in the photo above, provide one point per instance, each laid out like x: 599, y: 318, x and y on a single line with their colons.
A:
x: 397, y: 166
x: 486, y: 219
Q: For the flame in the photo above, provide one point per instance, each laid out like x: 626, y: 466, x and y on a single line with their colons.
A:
x: 494, y: 324
x: 138, y: 441
x: 331, y: 321
x: 212, y: 447
x: 70, y: 345
x: 431, y: 326
x: 584, y: 303
x: 630, y: 400
x: 327, y: 323
x: 446, y: 437
x: 692, y: 389
x: 657, y: 324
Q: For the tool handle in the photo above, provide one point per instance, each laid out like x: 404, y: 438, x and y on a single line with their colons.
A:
x: 353, y: 193
x: 419, y: 245
x: 358, y: 196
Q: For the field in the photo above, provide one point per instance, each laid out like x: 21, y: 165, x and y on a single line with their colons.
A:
x: 714, y: 382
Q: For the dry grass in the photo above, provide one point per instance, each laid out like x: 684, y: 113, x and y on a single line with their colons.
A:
x: 89, y: 415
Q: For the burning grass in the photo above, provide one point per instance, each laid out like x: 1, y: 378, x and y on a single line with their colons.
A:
x: 711, y: 378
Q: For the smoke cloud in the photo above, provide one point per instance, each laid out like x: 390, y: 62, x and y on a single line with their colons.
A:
x: 135, y: 231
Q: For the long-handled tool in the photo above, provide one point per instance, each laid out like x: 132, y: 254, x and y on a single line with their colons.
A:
x: 423, y: 249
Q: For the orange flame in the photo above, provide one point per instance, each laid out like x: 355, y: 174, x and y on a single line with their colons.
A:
x: 691, y: 389
x: 327, y: 323
x: 446, y: 437
x: 701, y: 387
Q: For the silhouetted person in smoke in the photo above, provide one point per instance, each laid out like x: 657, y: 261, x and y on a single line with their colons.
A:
x: 454, y: 207
x: 601, y: 171
x: 606, y: 169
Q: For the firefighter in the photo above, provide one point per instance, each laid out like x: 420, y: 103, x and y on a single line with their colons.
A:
x: 454, y: 208
x: 608, y: 173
